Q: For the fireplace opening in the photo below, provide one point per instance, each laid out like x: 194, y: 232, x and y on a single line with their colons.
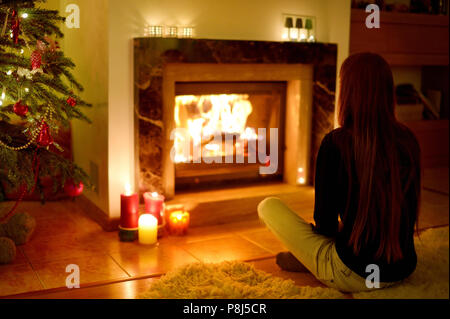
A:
x: 221, y: 124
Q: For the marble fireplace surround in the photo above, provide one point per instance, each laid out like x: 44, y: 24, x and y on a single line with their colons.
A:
x: 309, y: 70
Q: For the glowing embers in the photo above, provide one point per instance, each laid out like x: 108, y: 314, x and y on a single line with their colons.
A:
x: 216, y: 127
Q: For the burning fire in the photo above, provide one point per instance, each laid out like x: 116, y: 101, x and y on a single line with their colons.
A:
x: 207, y: 116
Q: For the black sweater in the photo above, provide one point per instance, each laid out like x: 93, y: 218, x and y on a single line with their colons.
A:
x: 331, y: 190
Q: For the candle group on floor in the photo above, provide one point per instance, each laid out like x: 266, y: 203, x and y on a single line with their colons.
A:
x: 146, y: 226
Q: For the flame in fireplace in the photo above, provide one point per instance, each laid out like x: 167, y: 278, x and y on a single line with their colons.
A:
x: 206, y: 116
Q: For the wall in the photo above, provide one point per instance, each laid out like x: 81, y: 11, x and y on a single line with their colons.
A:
x: 339, y: 16
x: 215, y: 19
x: 88, y: 49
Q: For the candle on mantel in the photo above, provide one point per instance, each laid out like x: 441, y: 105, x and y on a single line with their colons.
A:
x: 179, y: 222
x: 148, y: 229
x: 129, y: 214
x: 154, y: 204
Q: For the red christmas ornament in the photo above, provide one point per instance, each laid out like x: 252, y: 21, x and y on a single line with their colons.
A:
x: 20, y: 109
x: 36, y: 60
x: 71, y: 101
x: 73, y: 190
x: 44, y: 138
x: 15, y: 27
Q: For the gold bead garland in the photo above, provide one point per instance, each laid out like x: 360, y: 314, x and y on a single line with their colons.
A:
x: 34, y: 135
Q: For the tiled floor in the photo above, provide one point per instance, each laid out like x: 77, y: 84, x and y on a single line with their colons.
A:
x: 112, y: 269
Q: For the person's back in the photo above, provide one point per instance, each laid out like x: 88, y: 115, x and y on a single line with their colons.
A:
x: 343, y: 201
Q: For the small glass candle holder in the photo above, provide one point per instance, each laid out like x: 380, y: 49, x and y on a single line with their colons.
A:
x: 171, y: 32
x: 154, y: 31
x: 177, y: 220
x: 186, y: 32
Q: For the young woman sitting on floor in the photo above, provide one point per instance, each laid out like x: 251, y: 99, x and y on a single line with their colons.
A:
x: 368, y: 175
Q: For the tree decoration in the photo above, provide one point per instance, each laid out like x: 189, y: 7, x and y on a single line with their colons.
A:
x: 45, y: 54
x: 40, y: 46
x: 53, y: 44
x: 72, y: 189
x: 20, y: 108
x: 15, y: 26
x: 36, y: 60
x: 71, y: 101
x: 27, y: 73
x: 44, y: 138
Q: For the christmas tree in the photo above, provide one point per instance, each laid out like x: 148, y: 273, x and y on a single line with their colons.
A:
x: 38, y: 98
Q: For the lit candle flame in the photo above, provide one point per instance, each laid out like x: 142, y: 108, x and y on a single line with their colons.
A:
x: 155, y: 194
x: 128, y: 190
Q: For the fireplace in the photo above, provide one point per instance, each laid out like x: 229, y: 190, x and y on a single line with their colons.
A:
x: 279, y: 96
x: 220, y: 94
x: 218, y: 125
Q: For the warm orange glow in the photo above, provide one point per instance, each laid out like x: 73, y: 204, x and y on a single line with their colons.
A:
x: 179, y: 217
x: 301, y: 176
x: 209, y: 116
x: 179, y: 222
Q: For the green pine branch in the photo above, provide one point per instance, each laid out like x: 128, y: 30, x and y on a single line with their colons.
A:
x: 40, y: 90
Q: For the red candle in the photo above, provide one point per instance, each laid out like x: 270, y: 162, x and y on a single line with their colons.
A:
x: 154, y: 204
x: 129, y: 209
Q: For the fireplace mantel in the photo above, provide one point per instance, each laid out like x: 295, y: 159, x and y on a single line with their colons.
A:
x: 156, y: 58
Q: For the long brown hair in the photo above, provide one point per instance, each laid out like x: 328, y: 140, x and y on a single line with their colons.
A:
x: 366, y: 109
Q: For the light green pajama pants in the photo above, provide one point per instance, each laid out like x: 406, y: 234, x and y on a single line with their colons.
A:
x: 316, y: 252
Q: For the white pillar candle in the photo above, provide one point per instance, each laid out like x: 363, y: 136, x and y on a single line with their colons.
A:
x: 148, y: 229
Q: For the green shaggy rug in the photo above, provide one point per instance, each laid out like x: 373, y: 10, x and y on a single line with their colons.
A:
x: 239, y: 280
